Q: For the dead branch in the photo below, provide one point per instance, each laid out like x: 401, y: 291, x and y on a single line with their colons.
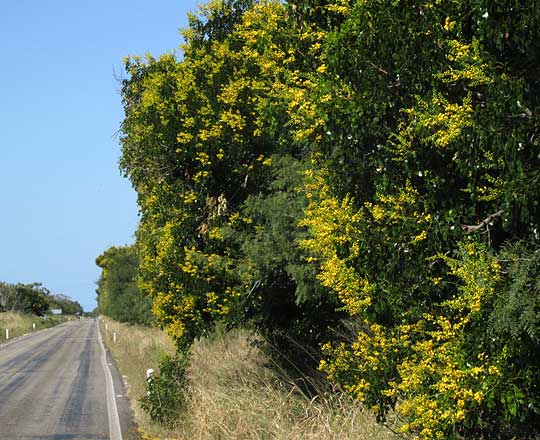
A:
x: 380, y: 69
x: 469, y: 229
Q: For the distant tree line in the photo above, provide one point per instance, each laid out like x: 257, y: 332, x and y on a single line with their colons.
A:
x: 34, y: 298
x: 118, y: 295
x: 66, y: 304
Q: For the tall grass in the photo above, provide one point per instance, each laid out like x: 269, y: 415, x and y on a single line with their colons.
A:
x: 137, y: 349
x: 20, y: 323
x: 234, y: 393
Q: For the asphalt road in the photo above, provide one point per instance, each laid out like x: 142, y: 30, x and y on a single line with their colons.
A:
x: 53, y: 385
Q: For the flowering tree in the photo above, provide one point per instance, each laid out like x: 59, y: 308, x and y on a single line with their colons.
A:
x: 360, y: 178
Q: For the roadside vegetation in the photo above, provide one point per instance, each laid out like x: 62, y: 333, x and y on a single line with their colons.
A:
x: 118, y: 295
x: 35, y: 299
x: 356, y: 181
x: 234, y: 392
x: 20, y: 323
x: 137, y: 349
x: 24, y: 305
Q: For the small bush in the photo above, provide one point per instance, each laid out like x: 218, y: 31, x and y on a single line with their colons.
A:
x: 166, y: 392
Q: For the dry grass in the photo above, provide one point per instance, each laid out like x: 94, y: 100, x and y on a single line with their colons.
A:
x: 235, y: 395
x: 20, y: 324
x: 136, y: 350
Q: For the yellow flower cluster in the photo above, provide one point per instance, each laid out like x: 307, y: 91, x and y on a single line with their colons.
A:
x: 467, y: 64
x: 444, y: 121
x: 479, y: 273
x: 335, y: 224
x: 189, y: 197
x: 438, y: 387
x: 341, y: 7
x: 394, y: 209
x: 420, y: 364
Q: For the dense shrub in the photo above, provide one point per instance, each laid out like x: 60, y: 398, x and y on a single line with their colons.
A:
x: 357, y: 174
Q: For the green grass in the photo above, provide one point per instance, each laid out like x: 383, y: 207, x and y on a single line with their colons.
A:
x: 233, y: 394
x: 20, y: 323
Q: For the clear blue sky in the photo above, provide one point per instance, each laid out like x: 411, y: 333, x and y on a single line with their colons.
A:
x: 62, y: 198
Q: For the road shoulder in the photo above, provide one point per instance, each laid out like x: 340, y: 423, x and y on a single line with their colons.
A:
x: 125, y: 414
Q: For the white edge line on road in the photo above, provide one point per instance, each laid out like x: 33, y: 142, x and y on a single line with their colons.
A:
x: 115, y: 432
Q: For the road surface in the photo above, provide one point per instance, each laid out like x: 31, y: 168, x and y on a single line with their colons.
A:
x: 53, y: 385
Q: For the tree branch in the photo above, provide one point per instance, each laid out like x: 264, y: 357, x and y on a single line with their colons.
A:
x: 469, y: 229
x: 380, y: 69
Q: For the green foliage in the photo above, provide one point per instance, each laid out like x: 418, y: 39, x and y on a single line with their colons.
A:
x: 196, y: 147
x: 516, y: 309
x: 514, y: 332
x: 66, y: 304
x: 214, y: 22
x: 429, y: 145
x: 352, y: 173
x: 285, y: 302
x: 34, y: 299
x: 118, y: 294
x: 27, y: 298
x: 166, y: 392
x: 423, y: 149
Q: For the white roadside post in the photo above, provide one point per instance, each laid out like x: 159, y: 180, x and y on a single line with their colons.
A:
x: 33, y: 326
x: 106, y: 326
x: 149, y: 374
x: 114, y: 337
x: 7, y: 333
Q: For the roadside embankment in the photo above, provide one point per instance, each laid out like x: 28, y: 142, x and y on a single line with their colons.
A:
x: 135, y: 349
x: 233, y: 393
x: 18, y: 324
